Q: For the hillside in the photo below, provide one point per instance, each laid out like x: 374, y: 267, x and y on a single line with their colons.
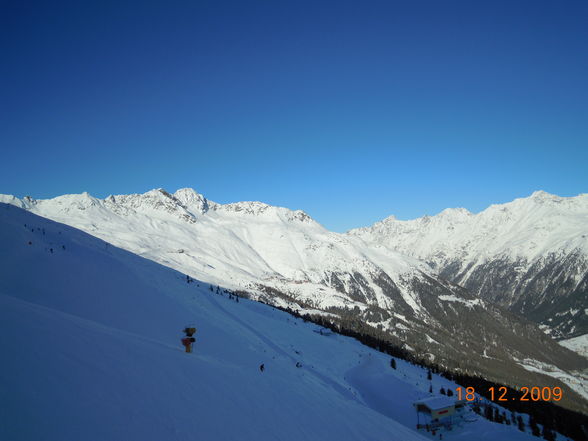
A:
x: 285, y: 258
x: 90, y: 336
x: 529, y: 255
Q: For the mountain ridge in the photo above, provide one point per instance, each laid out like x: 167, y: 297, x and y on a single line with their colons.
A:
x: 530, y: 255
x: 286, y: 259
x: 111, y: 324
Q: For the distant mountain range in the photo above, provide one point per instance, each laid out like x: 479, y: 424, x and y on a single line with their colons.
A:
x: 400, y: 277
x: 529, y: 255
x: 90, y: 338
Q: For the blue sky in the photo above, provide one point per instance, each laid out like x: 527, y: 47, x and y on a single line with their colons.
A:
x: 351, y: 111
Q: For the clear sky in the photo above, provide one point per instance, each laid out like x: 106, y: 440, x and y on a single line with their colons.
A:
x: 351, y: 111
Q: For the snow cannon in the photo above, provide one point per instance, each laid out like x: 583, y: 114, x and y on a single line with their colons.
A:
x: 189, y: 330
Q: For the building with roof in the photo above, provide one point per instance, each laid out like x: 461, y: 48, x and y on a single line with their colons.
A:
x: 435, y: 411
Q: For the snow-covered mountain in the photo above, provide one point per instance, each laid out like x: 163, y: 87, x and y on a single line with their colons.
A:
x: 285, y: 258
x: 530, y: 255
x: 90, y: 333
x: 236, y: 244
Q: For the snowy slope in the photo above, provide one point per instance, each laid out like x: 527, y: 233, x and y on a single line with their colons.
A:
x: 577, y: 344
x: 253, y: 246
x: 90, y: 341
x: 530, y: 254
x: 252, y: 241
x: 286, y: 258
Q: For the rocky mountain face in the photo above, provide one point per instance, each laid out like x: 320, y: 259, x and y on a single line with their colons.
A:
x: 285, y: 258
x: 529, y: 255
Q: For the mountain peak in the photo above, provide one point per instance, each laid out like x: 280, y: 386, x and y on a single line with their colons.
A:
x: 158, y: 192
x: 456, y: 212
x: 187, y: 192
x: 256, y: 208
x: 84, y: 199
x: 192, y: 200
x: 454, y: 215
x: 247, y: 207
x: 542, y: 195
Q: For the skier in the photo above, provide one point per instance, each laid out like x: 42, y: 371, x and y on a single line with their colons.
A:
x: 261, y: 367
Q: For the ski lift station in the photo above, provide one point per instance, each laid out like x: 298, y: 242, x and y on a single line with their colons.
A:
x: 436, y: 411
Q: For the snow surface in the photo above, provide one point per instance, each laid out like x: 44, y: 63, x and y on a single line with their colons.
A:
x: 578, y: 381
x: 577, y: 344
x: 530, y: 255
x: 90, y: 340
x: 247, y: 244
x: 452, y: 298
x: 239, y: 245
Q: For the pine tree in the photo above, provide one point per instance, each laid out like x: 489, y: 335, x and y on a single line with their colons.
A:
x: 547, y: 434
x: 533, y: 424
x: 497, y: 416
x: 520, y: 423
x: 489, y: 413
x: 475, y: 407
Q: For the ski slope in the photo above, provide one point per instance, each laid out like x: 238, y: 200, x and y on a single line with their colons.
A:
x: 90, y: 337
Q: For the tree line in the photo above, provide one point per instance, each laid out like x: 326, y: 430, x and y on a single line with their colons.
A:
x: 549, y: 415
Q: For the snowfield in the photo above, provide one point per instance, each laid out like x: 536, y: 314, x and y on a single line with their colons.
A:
x: 253, y: 243
x: 578, y: 381
x: 577, y: 344
x: 90, y: 337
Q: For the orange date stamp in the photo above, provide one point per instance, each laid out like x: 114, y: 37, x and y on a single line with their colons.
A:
x: 524, y: 394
